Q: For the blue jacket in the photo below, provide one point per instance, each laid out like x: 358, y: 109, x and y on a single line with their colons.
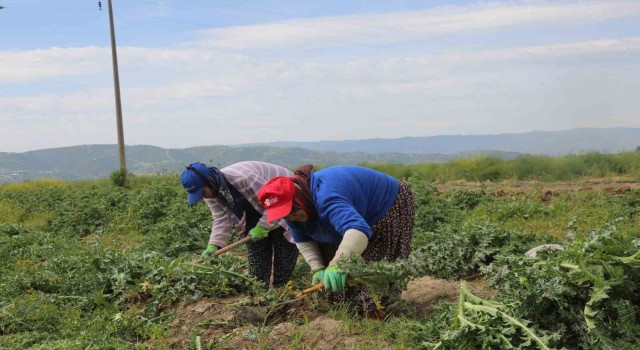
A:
x: 346, y: 197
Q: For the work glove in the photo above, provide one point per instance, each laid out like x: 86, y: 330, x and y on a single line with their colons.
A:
x: 210, y: 250
x: 334, y: 279
x: 317, y: 276
x: 257, y: 233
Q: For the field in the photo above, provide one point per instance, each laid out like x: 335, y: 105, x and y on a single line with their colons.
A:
x: 89, y: 265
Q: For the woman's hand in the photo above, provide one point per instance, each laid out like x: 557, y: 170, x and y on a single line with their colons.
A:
x: 334, y: 279
x: 257, y: 233
x: 210, y: 250
x: 317, y: 276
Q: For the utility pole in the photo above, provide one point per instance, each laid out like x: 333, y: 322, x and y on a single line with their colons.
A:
x: 116, y: 84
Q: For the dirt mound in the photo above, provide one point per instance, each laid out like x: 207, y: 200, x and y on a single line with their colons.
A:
x: 212, y: 317
x: 323, y: 333
x: 424, y: 293
x: 225, y: 327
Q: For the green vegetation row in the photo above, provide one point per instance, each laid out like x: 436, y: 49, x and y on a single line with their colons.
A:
x: 525, y: 167
x: 585, y: 296
x: 92, y: 265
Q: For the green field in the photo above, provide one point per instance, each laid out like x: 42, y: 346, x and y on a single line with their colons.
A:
x: 89, y: 265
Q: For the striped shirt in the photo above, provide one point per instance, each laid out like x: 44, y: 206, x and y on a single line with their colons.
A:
x: 247, y: 177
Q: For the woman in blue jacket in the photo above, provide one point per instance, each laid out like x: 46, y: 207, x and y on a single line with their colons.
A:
x: 339, y: 211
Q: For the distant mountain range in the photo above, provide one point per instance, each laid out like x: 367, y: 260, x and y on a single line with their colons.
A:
x: 98, y: 161
x: 606, y: 140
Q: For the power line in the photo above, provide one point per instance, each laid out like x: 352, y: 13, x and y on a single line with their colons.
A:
x: 174, y: 20
x: 224, y: 9
x: 50, y: 8
x: 115, y: 11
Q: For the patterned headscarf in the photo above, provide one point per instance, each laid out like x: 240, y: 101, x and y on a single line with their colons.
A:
x: 229, y: 194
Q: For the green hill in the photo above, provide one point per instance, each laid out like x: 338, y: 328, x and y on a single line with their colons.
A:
x: 98, y: 161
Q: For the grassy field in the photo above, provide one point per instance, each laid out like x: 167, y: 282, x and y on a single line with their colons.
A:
x: 91, y: 265
x: 526, y: 167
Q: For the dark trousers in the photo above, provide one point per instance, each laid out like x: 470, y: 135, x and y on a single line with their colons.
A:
x: 273, y: 254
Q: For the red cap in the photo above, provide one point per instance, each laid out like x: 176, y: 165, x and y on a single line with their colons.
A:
x: 276, y: 196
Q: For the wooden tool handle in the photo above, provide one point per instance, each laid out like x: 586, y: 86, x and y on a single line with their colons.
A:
x: 316, y: 287
x: 232, y: 245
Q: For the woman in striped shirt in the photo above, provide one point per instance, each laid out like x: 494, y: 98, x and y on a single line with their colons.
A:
x: 231, y: 194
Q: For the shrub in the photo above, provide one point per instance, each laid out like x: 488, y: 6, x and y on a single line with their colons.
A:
x: 119, y: 178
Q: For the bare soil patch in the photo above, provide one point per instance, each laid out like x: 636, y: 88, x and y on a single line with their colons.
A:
x: 212, y: 317
x: 609, y: 185
x: 323, y: 333
x: 226, y: 327
x: 426, y: 292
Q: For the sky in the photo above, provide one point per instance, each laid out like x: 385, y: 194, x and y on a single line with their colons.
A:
x: 218, y: 72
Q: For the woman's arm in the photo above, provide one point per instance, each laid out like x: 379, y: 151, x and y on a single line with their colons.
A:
x: 221, y: 225
x: 311, y: 253
x: 353, y: 242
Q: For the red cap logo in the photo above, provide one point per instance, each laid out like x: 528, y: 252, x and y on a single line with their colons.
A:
x: 276, y: 196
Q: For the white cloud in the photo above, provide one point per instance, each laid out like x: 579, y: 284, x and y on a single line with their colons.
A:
x: 198, y: 95
x: 17, y: 66
x: 189, y: 90
x: 351, y: 79
x: 77, y: 101
x: 407, y: 26
x: 591, y: 47
x: 33, y: 65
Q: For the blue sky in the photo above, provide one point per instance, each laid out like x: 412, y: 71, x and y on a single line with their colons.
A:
x: 199, y: 72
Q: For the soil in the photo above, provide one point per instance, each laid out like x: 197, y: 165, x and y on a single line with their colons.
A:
x: 609, y: 185
x: 426, y: 292
x: 222, y: 326
x: 323, y: 333
x: 212, y: 317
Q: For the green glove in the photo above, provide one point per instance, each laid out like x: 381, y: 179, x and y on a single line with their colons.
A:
x: 317, y: 276
x: 257, y: 233
x: 334, y: 279
x: 210, y: 250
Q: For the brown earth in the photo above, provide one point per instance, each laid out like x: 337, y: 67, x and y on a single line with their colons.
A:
x: 222, y: 325
x: 609, y: 185
x: 426, y: 292
x: 323, y: 333
x: 212, y: 317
